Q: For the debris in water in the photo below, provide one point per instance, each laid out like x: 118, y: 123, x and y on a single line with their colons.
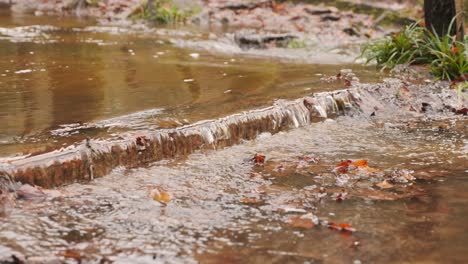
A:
x: 23, y: 71
x: 188, y: 80
x: 159, y: 194
x: 348, y: 166
x: 258, y: 159
x: 462, y: 111
x: 385, y: 184
x: 341, y: 227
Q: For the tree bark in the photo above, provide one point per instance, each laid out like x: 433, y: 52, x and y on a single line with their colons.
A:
x: 440, y: 13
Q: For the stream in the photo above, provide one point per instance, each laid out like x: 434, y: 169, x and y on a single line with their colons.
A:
x: 62, y: 84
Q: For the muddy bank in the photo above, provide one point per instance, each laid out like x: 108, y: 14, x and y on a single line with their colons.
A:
x: 96, y: 158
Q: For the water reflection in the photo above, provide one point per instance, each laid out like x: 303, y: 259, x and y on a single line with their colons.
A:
x: 69, y: 76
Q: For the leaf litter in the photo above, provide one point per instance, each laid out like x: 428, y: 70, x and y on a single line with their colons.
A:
x: 327, y: 182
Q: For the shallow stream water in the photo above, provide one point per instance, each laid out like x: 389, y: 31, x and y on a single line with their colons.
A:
x: 60, y: 85
x: 62, y: 80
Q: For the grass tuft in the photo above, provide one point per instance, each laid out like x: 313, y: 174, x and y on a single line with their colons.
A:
x: 447, y: 57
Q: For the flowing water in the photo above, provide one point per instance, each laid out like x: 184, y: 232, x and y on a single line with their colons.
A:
x: 63, y: 80
x: 59, y: 85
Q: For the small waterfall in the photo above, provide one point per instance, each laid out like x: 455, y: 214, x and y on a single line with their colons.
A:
x: 96, y: 158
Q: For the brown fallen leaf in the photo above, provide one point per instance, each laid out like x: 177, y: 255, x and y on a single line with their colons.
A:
x: 342, y: 167
x: 462, y: 111
x: 258, y: 159
x: 463, y: 78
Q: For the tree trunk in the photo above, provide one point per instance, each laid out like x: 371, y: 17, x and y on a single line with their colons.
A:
x: 439, y: 15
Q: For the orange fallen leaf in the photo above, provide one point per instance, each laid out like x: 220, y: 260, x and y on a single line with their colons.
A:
x: 160, y: 195
x: 341, y: 227
x: 361, y: 163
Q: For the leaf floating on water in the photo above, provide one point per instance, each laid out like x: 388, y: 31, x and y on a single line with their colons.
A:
x: 348, y: 165
x: 345, y: 163
x: 361, y: 163
x: 160, y: 195
x: 258, y: 159
x: 342, y: 167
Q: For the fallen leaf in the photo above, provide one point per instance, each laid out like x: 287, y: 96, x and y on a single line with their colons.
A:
x: 341, y: 227
x: 463, y: 111
x: 258, y: 159
x: 345, y: 163
x: 361, y: 163
x: 460, y: 79
x: 160, y: 195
